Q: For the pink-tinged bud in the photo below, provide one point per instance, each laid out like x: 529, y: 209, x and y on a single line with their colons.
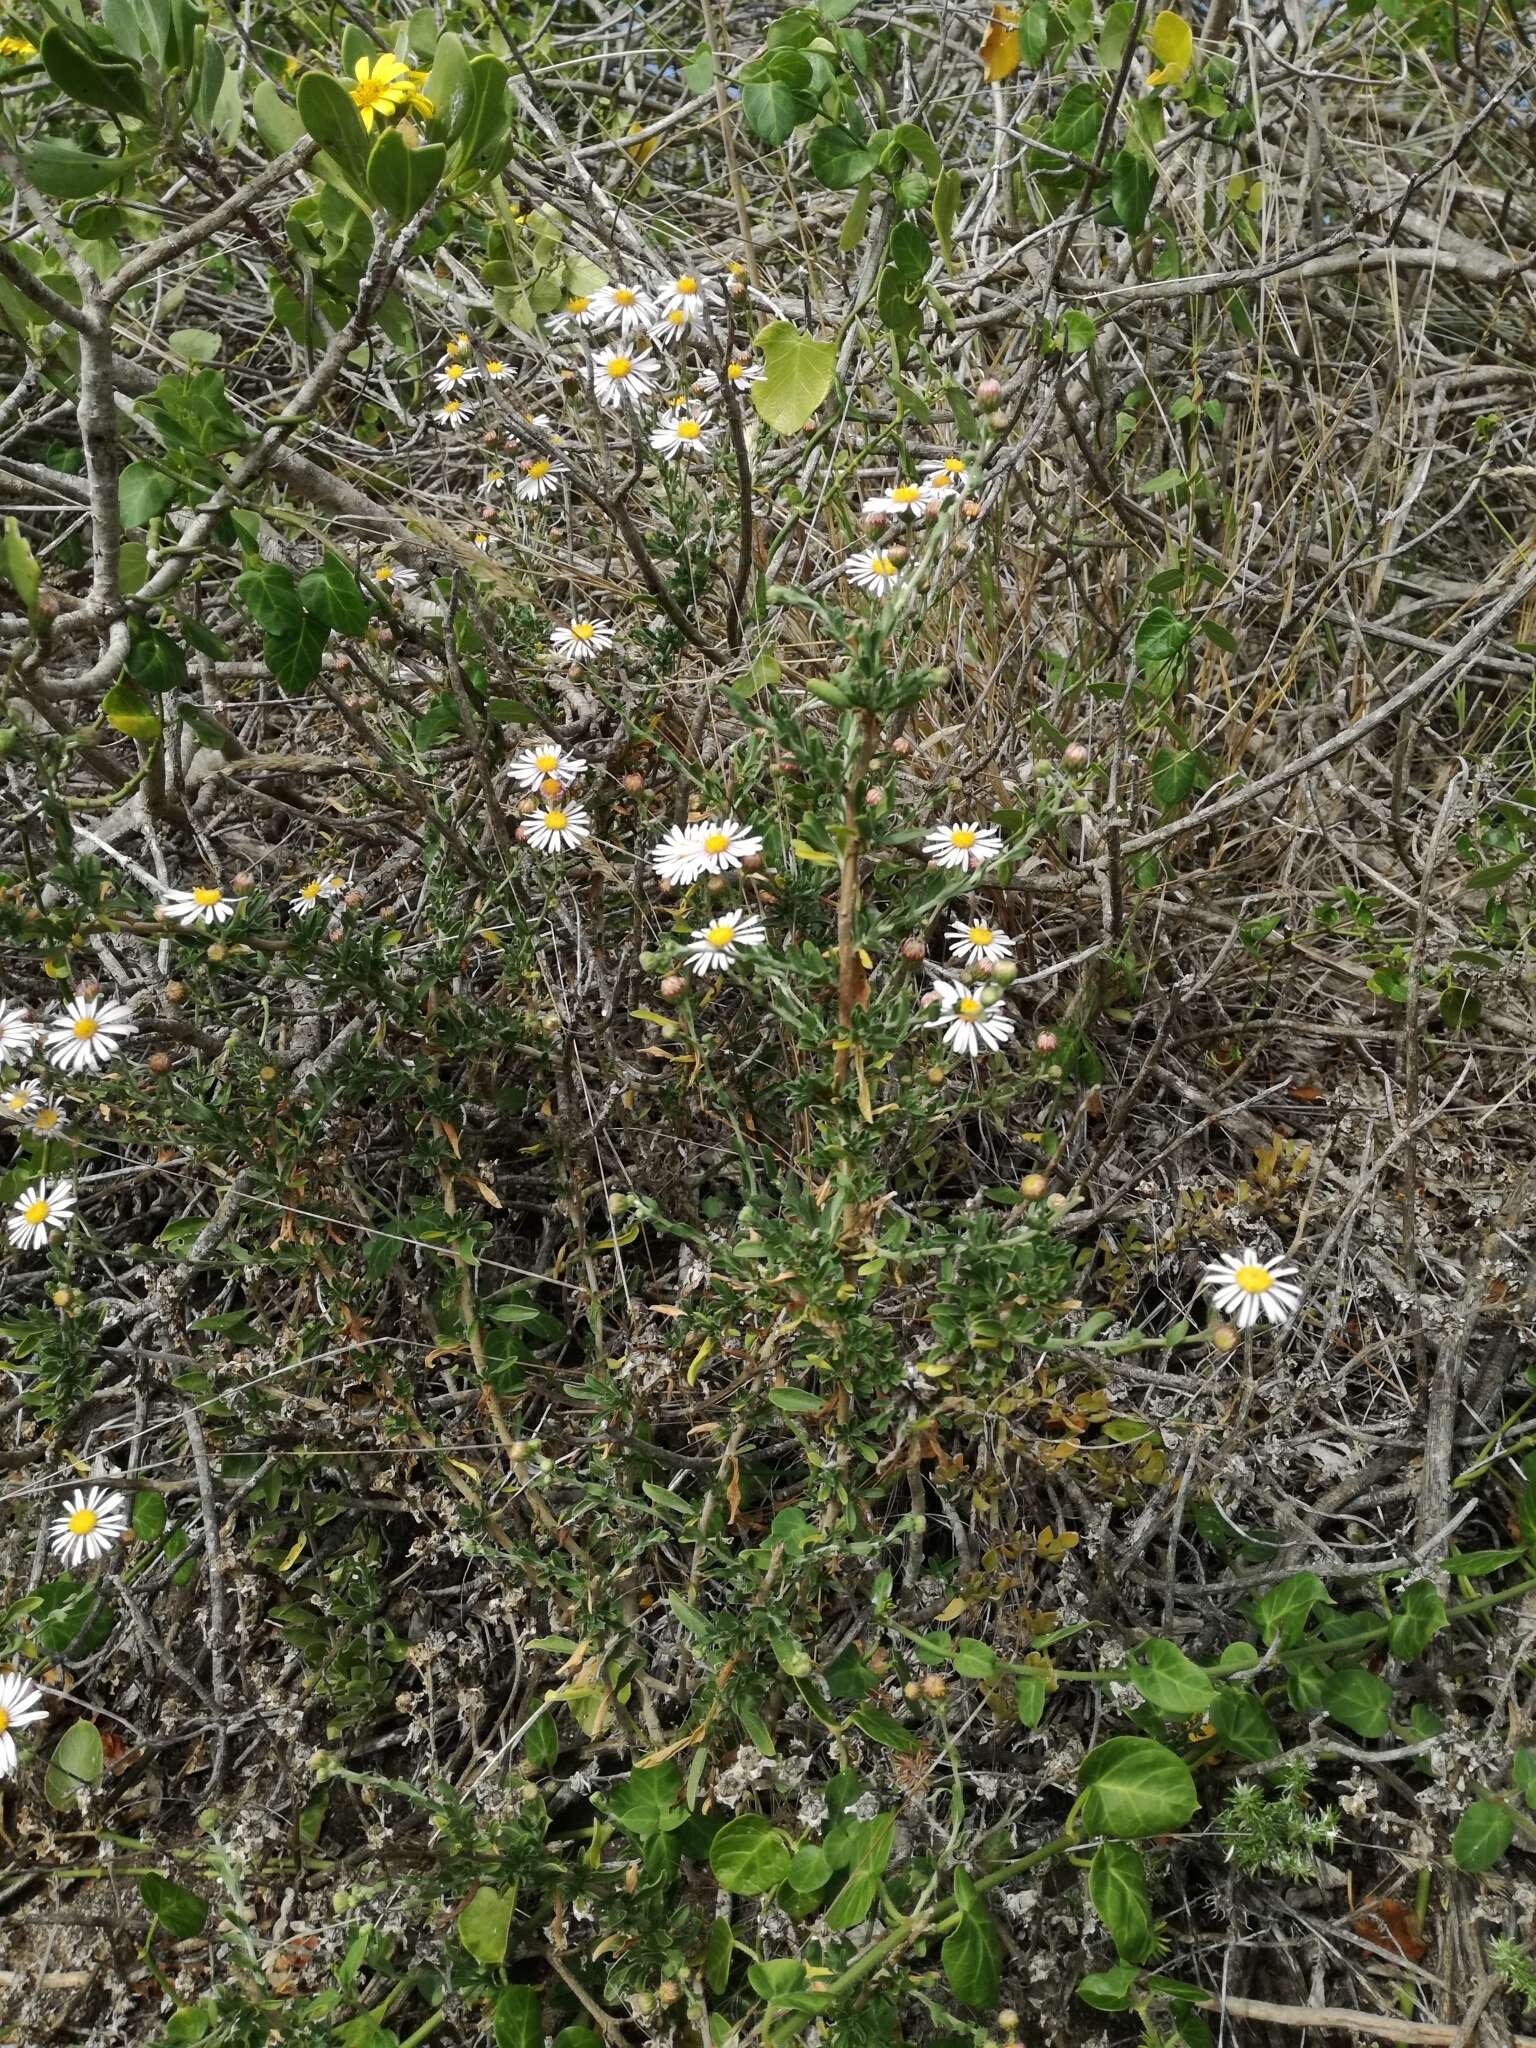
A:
x: 488, y: 438
x: 1045, y: 1041
x: 632, y: 783
x: 913, y: 951
x: 873, y: 522
x: 385, y: 635
x: 243, y: 883
x: 343, y: 664
x: 159, y: 1063
x: 927, y: 999
x: 901, y: 746
x: 672, y: 986
x: 971, y: 508
x: 897, y: 552
x: 988, y: 391
x: 874, y: 796
x: 1076, y: 755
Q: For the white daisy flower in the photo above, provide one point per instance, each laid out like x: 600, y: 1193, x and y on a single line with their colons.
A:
x: 577, y: 313
x: 318, y: 890
x: 617, y: 375
x: 91, y: 1524
x: 454, y: 376
x: 18, y: 1100
x: 969, y: 1023
x: 454, y: 413
x: 715, y: 945
x: 39, y: 1213
x: 965, y: 845
x: 684, y: 433
x: 872, y: 570
x: 679, y: 857
x: 49, y: 1119
x: 901, y: 501
x: 199, y: 906
x: 980, y: 943
x: 20, y: 1705
x: 493, y: 481
x: 725, y: 844
x: 672, y: 328
x: 583, y: 639
x: 545, y: 761
x: 540, y: 479
x: 689, y: 294
x: 1246, y: 1287
x: 392, y: 576
x: 481, y: 542
x: 86, y: 1035
x: 559, y: 827
x: 624, y: 307
x: 455, y: 347
x: 496, y: 370
x: 18, y: 1034
x: 949, y: 476
x: 741, y: 373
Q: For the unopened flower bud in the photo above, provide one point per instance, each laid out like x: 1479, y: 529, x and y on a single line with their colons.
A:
x: 175, y: 991
x: 1075, y: 755
x: 159, y: 1063
x: 353, y: 900
x: 997, y: 421
x: 1046, y: 1041
x: 242, y: 884
x: 1033, y: 1186
x: 218, y: 952
x: 488, y: 438
x: 897, y: 552
x: 1223, y: 1337
x: 935, y: 1074
x: 971, y: 509
x: 911, y: 1691
x: 913, y: 951
x: 988, y: 391
x: 385, y: 635
x: 935, y: 1687
x: 901, y: 746
x: 874, y: 796
x: 873, y: 521
x: 669, y: 1991
x: 1004, y: 971
x: 632, y: 783
x: 1057, y: 1202
x: 672, y: 986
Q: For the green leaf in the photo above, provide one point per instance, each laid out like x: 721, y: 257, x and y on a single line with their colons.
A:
x: 1177, y: 773
x: 872, y: 1840
x: 450, y: 89
x: 149, y: 1515
x: 777, y: 94
x: 648, y: 1801
x: 63, y: 170
x: 194, y: 344
x: 972, y: 1658
x: 1418, y: 1620
x: 909, y: 252
x: 1076, y: 126
x: 293, y: 653
x: 795, y: 1401
x: 839, y: 159
x: 1359, y: 1699
x: 143, y: 492
x: 1523, y: 1771
x: 402, y: 179
x: 1245, y: 1729
x: 1135, y: 1787
x: 188, y: 2025
x: 1281, y: 1615
x: 93, y: 78
x: 18, y: 565
x: 333, y: 594
x: 541, y: 1744
x: 518, y: 2019
x: 797, y: 375
x: 919, y: 145
x: 486, y: 124
x: 1109, y: 1990
x: 748, y: 1856
x: 717, y: 1955
x: 1482, y: 1835
x: 75, y: 1766
x: 946, y: 205
x: 857, y: 219
x: 155, y: 660
x: 127, y: 710
x: 484, y: 1920
x: 972, y: 1956
x: 271, y: 596
x: 885, y: 1729
x: 181, y: 1913
x: 576, y: 2037
x: 1167, y: 1680
x: 699, y: 72
x: 1132, y: 182
x: 327, y: 110
x: 277, y: 123
x: 1117, y: 1885
x: 1162, y: 647
x: 1029, y: 1693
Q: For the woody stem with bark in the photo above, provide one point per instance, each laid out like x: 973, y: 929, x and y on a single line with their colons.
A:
x: 849, y: 982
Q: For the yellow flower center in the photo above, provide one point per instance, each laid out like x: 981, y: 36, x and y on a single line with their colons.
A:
x: 555, y: 821
x: 85, y: 1027
x: 623, y: 296
x: 493, y: 477
x: 546, y: 763
x: 675, y: 316
x: 577, y: 305
x: 45, y: 1120
x: 373, y: 92
x: 454, y: 370
x: 482, y: 540
x: 82, y: 1522
x: 538, y: 469
x: 310, y: 891
x: 206, y: 898
x: 453, y: 405
x: 5, y: 1720
x: 716, y: 842
x: 618, y: 367
x: 581, y: 629
x: 720, y: 935
x: 685, y: 287
x: 962, y: 838
x: 953, y: 466
x: 905, y: 494
x: 383, y: 573
x: 968, y: 1006
x: 733, y: 371
x: 687, y: 430
x: 494, y: 366
x: 1254, y: 1279
x: 35, y: 1212
x: 881, y: 565
x: 981, y: 935
x: 15, y: 1100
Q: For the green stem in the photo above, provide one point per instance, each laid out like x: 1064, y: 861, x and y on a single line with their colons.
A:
x: 426, y: 2029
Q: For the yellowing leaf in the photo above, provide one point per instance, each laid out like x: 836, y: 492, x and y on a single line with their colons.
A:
x: 1173, y: 45
x: 641, y: 152
x: 1000, y: 45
